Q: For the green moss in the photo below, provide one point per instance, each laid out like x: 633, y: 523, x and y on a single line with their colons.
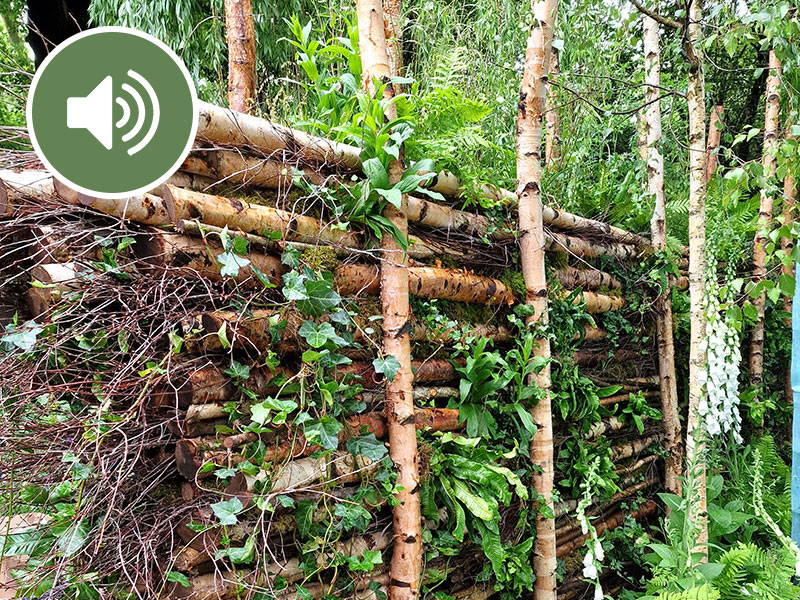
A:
x: 557, y: 260
x: 514, y: 281
x: 320, y: 258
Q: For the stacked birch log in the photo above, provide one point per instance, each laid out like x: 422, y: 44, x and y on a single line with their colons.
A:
x: 244, y: 178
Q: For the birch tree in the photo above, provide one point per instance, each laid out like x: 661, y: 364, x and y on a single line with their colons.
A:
x: 530, y: 119
x: 765, y: 217
x: 658, y: 229
x: 240, y: 35
x: 695, y: 436
x: 406, y: 566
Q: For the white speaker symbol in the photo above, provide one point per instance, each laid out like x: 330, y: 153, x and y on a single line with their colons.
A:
x: 95, y: 112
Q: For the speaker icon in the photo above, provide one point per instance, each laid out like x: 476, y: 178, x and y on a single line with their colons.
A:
x: 95, y: 112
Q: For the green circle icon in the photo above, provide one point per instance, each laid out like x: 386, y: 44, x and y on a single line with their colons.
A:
x: 111, y: 112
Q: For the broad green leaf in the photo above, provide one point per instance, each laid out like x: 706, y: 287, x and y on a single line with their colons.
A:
x: 388, y: 366
x: 368, y: 446
x: 231, y: 264
x: 320, y: 298
x: 227, y: 510
x: 324, y: 431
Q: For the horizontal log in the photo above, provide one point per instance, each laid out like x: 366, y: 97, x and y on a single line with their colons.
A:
x: 172, y: 253
x: 620, y: 398
x: 252, y: 332
x: 595, y: 357
x: 225, y: 126
x: 609, y: 524
x: 426, y: 282
x: 276, y: 141
x: 24, y: 184
x: 600, y: 303
x: 233, y: 167
x: 228, y: 165
x: 183, y: 204
x: 51, y: 283
x: 191, y: 454
x: 209, y: 383
x: 567, y: 506
x: 636, y: 466
x: 590, y: 279
x: 576, y: 246
x: 635, y: 447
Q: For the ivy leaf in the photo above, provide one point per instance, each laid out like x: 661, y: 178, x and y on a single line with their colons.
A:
x: 179, y: 578
x: 222, y: 335
x: 387, y: 366
x: 231, y: 263
x: 238, y: 555
x: 324, y: 432
x: 317, y: 335
x: 227, y: 510
x: 293, y: 288
x: 320, y: 298
x: 23, y: 337
x: 238, y: 371
x: 368, y: 446
x: 303, y: 516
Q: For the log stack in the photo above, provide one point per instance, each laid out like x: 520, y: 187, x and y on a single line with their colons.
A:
x: 240, y: 190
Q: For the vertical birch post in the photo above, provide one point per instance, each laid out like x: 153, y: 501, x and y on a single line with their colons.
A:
x: 530, y: 119
x: 765, y: 217
x: 393, y: 10
x: 553, y: 133
x: 714, y: 140
x: 406, y: 566
x: 695, y: 433
x: 658, y: 229
x: 240, y: 35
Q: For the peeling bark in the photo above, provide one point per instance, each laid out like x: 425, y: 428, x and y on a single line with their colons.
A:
x: 530, y: 118
x: 714, y: 138
x: 658, y: 234
x: 761, y: 240
x: 240, y: 35
x: 406, y: 566
x: 695, y: 433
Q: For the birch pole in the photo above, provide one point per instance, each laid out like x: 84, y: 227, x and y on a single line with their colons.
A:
x: 530, y: 119
x: 394, y: 35
x: 240, y: 35
x: 658, y: 229
x: 406, y: 565
x: 553, y: 134
x: 765, y: 217
x: 695, y: 433
x: 714, y: 139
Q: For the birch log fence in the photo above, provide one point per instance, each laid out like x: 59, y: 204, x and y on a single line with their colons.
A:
x: 217, y: 245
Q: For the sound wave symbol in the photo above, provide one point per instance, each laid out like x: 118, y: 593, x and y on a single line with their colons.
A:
x: 95, y: 112
x: 126, y: 112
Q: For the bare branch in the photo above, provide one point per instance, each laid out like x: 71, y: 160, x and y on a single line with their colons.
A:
x: 655, y: 16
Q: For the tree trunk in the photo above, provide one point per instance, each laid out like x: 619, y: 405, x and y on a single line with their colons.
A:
x: 695, y: 433
x: 658, y: 234
x: 393, y: 13
x: 765, y: 218
x: 714, y: 139
x: 553, y: 133
x: 240, y: 35
x: 406, y: 565
x: 532, y: 240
